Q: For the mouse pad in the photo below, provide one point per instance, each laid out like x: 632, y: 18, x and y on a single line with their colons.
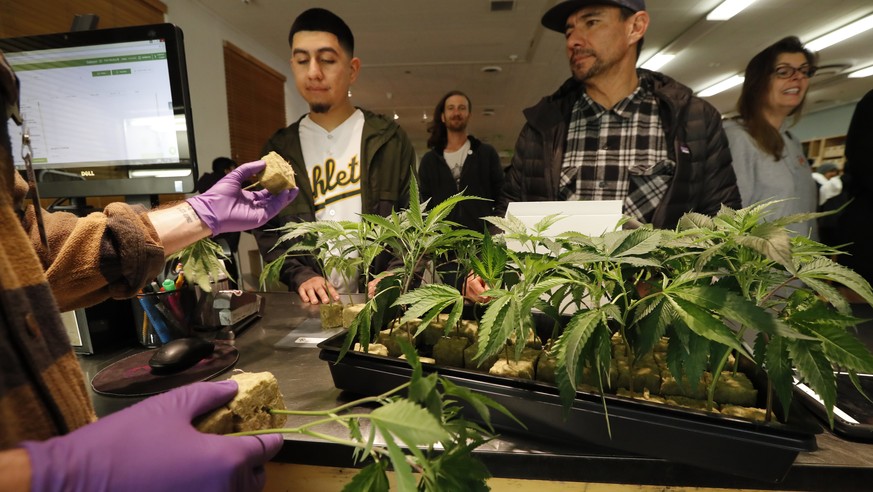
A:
x: 132, y: 376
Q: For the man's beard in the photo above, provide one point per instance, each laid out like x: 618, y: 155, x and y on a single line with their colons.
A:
x: 319, y: 108
x: 596, y: 68
x: 456, y: 125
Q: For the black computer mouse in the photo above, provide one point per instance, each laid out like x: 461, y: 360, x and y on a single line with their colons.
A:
x: 180, y: 354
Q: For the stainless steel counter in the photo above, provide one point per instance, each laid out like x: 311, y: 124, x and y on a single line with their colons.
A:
x: 305, y: 381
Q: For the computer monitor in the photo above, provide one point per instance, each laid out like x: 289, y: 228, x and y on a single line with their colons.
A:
x: 108, y: 111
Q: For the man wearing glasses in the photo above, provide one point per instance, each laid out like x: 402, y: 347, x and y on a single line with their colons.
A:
x: 614, y: 132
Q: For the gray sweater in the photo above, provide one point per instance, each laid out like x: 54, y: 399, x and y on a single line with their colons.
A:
x: 760, y: 177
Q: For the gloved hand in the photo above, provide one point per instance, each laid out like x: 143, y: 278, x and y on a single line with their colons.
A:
x: 226, y: 207
x: 153, y: 446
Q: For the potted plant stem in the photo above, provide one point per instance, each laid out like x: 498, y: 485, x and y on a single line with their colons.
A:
x: 421, y: 415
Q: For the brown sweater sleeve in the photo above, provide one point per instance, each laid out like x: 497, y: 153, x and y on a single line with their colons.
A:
x: 109, y: 254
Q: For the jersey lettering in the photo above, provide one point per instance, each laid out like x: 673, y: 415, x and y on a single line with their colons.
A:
x: 327, y: 178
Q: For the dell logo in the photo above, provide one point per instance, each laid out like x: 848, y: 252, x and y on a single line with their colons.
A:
x: 88, y: 174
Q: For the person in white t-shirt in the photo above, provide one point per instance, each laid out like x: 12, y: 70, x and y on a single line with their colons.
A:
x: 459, y: 162
x: 827, y: 177
x: 348, y: 160
x: 831, y: 198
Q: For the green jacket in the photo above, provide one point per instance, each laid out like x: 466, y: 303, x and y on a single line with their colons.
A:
x: 387, y: 161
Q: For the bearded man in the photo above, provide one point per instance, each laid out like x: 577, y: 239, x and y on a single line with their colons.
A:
x: 460, y: 162
x: 615, y: 132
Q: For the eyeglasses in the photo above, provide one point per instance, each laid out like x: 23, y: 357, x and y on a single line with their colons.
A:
x: 787, y: 71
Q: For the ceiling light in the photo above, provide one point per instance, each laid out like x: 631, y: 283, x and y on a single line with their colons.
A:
x: 860, y: 74
x: 395, y: 116
x: 841, y: 34
x: 657, y: 61
x: 722, y: 86
x: 728, y: 9
x: 829, y: 69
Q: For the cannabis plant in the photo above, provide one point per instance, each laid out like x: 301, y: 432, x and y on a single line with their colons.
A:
x: 419, y: 238
x: 708, y: 286
x: 203, y: 263
x: 720, y: 289
x: 416, y: 239
x: 427, y: 422
x: 342, y: 246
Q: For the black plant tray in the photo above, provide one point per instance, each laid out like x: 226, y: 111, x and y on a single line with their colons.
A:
x: 853, y: 414
x: 762, y: 451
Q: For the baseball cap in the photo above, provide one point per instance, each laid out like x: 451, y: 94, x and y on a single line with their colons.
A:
x: 556, y: 17
x: 827, y: 167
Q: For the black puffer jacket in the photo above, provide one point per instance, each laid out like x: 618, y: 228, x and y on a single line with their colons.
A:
x: 704, y: 178
x: 481, y: 175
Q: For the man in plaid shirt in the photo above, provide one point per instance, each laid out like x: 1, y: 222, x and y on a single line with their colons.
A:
x: 613, y: 132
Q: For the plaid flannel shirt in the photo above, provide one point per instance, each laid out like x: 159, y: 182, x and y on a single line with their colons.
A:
x: 618, y: 154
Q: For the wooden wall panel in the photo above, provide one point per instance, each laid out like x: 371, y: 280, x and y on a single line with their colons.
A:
x: 26, y: 18
x: 255, y: 102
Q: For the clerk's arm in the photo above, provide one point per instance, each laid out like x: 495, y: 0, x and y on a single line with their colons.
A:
x: 114, y: 253
x: 110, y: 254
x: 178, y: 226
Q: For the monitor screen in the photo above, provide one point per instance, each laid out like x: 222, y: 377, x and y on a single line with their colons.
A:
x: 107, y: 111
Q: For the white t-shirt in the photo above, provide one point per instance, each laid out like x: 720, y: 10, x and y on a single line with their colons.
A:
x: 456, y: 159
x: 828, y: 188
x: 333, y: 162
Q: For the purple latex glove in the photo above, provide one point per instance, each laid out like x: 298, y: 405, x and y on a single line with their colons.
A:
x: 153, y: 446
x: 226, y: 207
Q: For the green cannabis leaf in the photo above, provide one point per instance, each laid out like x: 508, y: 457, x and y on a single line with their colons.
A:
x: 203, y: 263
x: 427, y: 443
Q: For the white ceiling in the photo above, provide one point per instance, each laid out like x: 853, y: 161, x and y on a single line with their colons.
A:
x: 414, y: 51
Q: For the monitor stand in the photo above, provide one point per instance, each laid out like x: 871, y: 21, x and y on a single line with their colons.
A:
x: 75, y: 205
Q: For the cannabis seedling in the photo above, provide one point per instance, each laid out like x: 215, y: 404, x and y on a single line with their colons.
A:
x: 203, y: 263
x: 427, y: 419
